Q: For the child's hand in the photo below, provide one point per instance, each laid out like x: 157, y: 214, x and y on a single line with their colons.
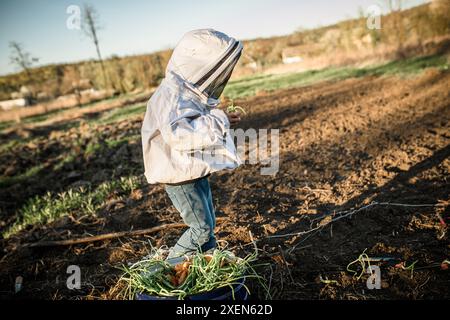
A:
x: 233, y: 117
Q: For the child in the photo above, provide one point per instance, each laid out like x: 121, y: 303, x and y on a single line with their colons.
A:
x: 183, y: 127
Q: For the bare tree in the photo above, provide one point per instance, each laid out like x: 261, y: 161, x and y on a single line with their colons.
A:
x: 90, y: 27
x: 21, y: 58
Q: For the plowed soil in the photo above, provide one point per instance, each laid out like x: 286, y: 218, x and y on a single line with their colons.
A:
x: 343, y: 145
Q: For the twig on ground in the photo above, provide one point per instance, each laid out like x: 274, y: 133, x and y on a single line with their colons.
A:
x: 107, y: 236
x: 285, y: 263
x: 347, y: 213
x: 254, y: 243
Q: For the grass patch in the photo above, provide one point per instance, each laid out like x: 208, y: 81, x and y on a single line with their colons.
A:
x: 33, y: 119
x: 121, y: 113
x: 276, y: 82
x: 42, y: 117
x: 5, y: 124
x: 45, y: 209
x: 407, y: 66
x: 6, y: 181
x: 251, y: 85
x: 127, y: 139
x: 92, y: 148
x: 66, y: 159
x: 5, y: 147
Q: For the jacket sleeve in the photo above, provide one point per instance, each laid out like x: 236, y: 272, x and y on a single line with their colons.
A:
x: 194, y: 131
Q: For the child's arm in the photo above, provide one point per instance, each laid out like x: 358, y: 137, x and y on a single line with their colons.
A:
x: 194, y: 131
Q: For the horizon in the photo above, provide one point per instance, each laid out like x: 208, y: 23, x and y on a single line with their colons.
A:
x: 24, y: 22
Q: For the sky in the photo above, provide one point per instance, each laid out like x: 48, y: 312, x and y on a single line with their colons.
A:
x: 132, y: 27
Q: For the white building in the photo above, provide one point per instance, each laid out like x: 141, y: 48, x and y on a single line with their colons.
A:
x: 291, y: 55
x: 11, y: 104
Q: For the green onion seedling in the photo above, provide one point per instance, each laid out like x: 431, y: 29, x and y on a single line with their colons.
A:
x: 233, y: 108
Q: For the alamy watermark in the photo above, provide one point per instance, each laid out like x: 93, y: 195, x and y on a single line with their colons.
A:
x: 74, y: 280
x: 373, y: 15
x: 374, y: 280
x: 258, y: 148
x: 73, y: 21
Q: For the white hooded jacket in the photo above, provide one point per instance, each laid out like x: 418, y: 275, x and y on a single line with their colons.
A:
x: 184, y: 135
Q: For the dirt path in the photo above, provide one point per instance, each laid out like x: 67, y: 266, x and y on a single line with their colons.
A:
x: 343, y: 144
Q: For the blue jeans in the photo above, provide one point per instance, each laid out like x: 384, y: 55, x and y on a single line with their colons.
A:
x: 194, y: 202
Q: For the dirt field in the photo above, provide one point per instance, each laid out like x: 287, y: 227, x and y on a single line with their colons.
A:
x: 343, y: 145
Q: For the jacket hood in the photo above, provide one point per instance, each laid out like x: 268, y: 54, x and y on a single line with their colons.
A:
x: 183, y: 136
x: 202, y: 55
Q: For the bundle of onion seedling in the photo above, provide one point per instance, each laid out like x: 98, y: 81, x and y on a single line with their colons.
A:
x: 197, y: 274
